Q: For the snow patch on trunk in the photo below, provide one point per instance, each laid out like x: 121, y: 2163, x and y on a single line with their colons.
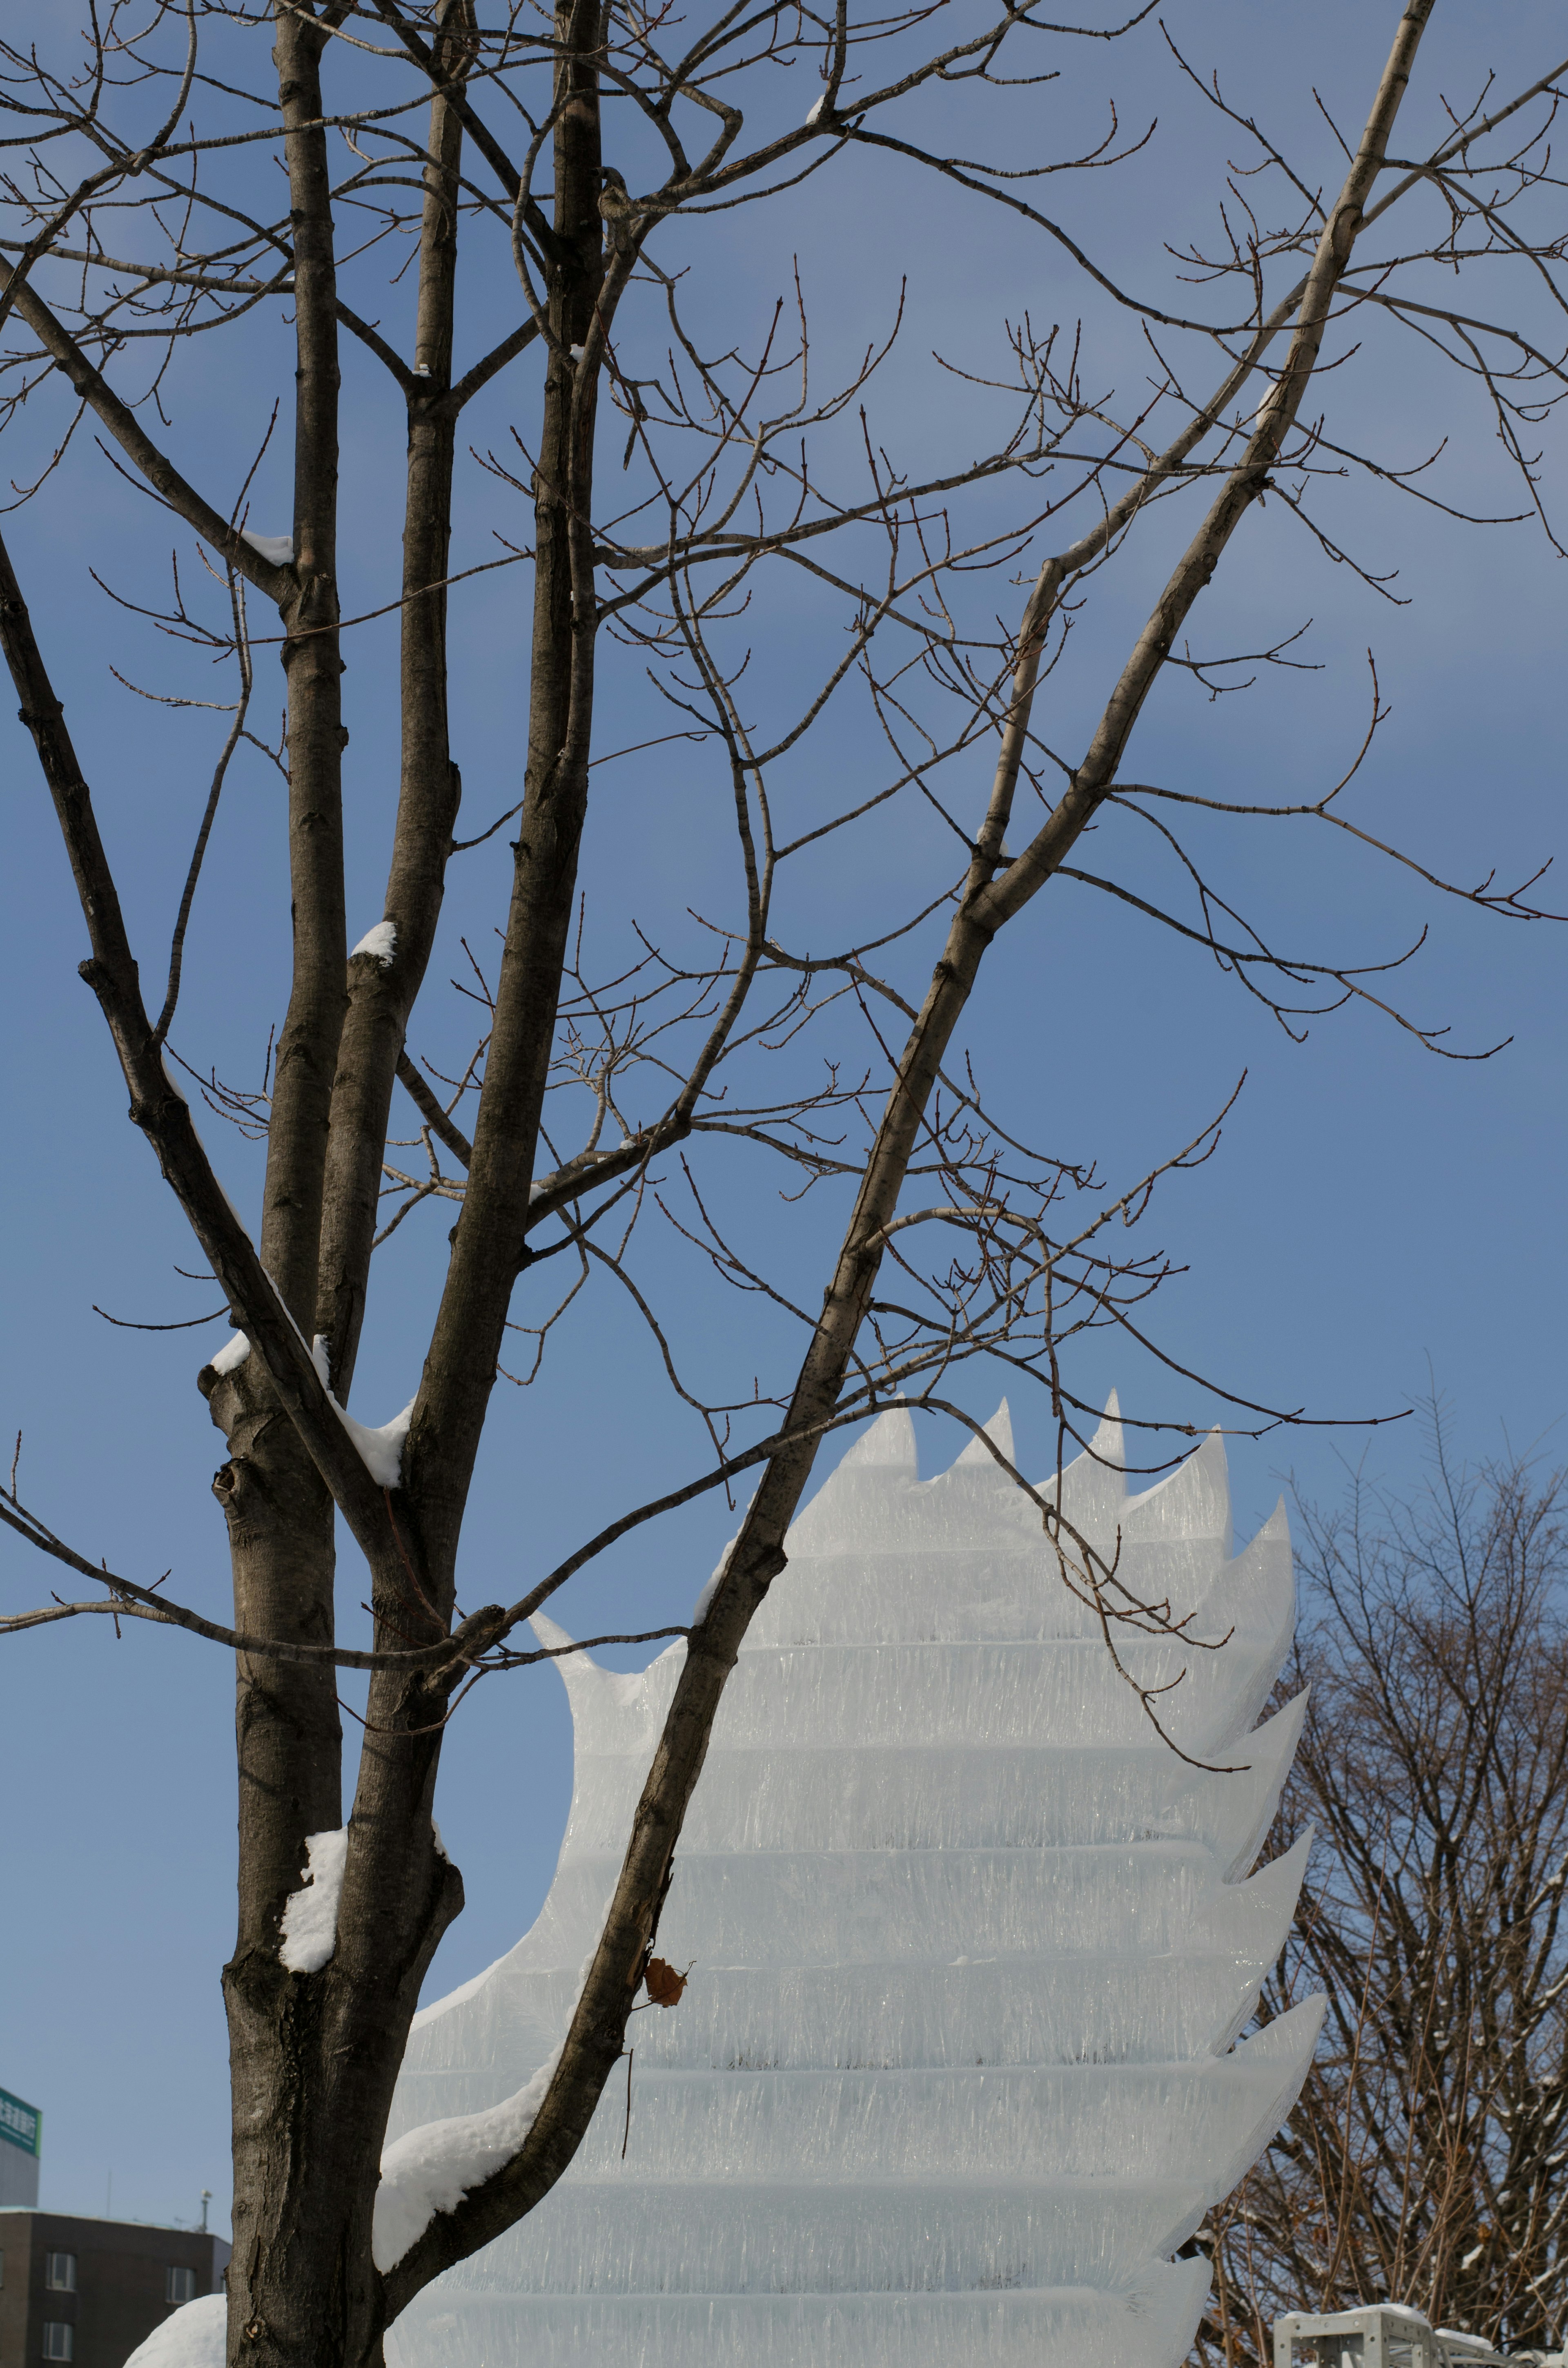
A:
x: 310, y: 1916
x: 381, y: 1451
x: 276, y: 549
x: 381, y: 1447
x: 431, y: 2169
x: 381, y: 941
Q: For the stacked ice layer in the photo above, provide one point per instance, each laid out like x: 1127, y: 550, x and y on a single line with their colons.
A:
x: 954, y: 2075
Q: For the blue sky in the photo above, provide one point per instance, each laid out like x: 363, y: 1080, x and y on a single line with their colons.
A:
x: 1372, y: 1213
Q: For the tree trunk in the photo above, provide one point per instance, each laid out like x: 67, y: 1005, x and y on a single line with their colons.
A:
x: 279, y: 1510
x: 316, y: 2054
x: 381, y: 993
x: 488, y: 1249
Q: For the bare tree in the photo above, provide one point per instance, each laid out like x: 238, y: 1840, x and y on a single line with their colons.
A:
x: 1427, y: 2160
x: 143, y: 223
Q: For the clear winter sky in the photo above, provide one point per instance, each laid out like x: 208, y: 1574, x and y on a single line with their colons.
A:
x: 1371, y: 1207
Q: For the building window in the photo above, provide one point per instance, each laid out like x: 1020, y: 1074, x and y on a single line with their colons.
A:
x: 60, y: 2277
x: 179, y: 2285
x: 57, y: 2335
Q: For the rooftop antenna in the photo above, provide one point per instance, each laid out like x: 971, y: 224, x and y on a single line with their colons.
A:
x: 205, y: 2200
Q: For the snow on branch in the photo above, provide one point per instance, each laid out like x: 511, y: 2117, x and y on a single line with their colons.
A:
x: 431, y: 2169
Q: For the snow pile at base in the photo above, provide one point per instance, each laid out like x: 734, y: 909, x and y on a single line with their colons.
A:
x: 955, y: 2073
x: 309, y: 1917
x: 430, y: 2170
x: 234, y: 1352
x: 381, y: 941
x: 192, y: 2336
x: 276, y: 549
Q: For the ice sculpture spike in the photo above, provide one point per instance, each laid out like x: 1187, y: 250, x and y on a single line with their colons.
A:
x: 955, y: 2073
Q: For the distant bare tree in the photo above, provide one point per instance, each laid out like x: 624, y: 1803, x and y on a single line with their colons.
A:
x: 198, y: 160
x: 1427, y: 2160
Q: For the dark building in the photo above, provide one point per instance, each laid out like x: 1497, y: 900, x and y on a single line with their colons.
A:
x: 88, y: 2292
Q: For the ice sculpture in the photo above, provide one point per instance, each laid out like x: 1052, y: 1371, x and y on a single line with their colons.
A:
x: 954, y: 2076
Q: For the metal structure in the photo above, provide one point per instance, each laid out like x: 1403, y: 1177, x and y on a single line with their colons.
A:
x: 1386, y: 2335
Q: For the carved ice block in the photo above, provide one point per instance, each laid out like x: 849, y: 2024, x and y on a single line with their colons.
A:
x: 955, y: 2070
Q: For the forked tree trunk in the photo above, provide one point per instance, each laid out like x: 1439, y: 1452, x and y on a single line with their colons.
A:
x: 280, y: 1514
x: 315, y: 2056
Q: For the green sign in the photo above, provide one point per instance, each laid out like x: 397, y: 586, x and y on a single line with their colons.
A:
x: 20, y: 2126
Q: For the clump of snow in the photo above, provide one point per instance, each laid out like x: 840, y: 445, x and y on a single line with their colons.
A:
x: 192, y: 2336
x: 381, y: 941
x: 276, y: 549
x: 817, y: 107
x: 441, y: 1850
x: 309, y: 1917
x: 576, y: 353
x: 431, y: 2169
x: 380, y: 1450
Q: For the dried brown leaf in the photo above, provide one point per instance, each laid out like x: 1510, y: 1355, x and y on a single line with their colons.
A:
x: 664, y: 1984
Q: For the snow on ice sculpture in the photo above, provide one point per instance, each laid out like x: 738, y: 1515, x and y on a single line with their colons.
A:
x: 955, y: 2074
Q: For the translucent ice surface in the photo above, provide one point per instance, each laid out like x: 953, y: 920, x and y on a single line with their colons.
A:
x: 956, y: 2069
